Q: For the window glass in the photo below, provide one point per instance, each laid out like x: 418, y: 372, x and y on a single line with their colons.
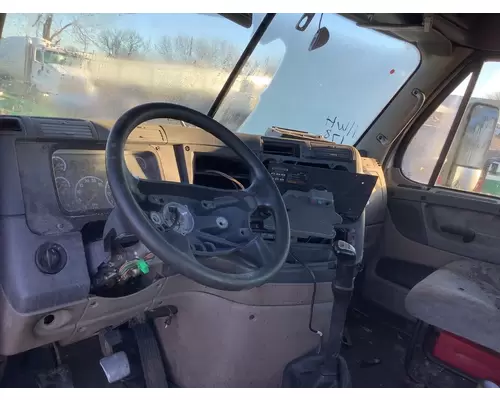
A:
x: 39, y: 56
x: 471, y: 163
x: 335, y: 91
x: 424, y: 149
x: 97, y: 66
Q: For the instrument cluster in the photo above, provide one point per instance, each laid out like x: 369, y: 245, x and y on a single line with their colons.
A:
x: 81, y: 182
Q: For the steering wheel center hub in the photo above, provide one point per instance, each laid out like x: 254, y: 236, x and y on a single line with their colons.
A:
x: 178, y: 218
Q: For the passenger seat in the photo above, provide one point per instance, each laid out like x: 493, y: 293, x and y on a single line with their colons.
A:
x: 462, y: 298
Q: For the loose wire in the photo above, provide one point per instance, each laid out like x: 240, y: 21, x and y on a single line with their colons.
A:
x: 313, y: 299
x: 229, y: 177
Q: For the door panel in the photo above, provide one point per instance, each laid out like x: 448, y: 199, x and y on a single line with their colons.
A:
x: 430, y: 223
x: 425, y: 230
x: 463, y: 224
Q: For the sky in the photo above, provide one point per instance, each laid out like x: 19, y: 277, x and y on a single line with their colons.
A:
x: 488, y: 82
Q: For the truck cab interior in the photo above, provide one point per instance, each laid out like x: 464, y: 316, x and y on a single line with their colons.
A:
x: 257, y: 200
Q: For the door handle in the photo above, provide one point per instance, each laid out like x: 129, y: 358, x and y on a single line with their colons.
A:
x: 468, y: 235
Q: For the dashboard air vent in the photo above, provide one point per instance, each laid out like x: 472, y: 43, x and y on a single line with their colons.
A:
x: 281, y: 148
x: 64, y: 127
x: 10, y: 125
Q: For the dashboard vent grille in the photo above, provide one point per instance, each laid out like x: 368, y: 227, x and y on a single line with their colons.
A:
x: 281, y: 148
x: 10, y: 125
x: 64, y: 127
x: 150, y: 134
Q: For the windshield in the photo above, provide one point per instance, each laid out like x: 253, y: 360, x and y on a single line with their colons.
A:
x: 335, y: 91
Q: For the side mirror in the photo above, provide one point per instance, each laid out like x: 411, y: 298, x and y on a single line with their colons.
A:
x: 468, y: 153
x: 481, y: 121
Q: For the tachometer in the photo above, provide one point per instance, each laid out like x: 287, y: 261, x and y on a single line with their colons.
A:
x: 89, y: 193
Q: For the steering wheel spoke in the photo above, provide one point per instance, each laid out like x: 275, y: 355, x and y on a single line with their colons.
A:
x: 259, y: 190
x: 181, y: 242
x: 258, y: 252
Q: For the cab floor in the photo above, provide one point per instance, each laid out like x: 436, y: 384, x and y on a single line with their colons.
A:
x: 376, y: 357
x: 376, y: 354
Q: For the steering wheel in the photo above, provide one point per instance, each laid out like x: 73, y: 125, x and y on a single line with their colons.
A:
x: 200, y: 231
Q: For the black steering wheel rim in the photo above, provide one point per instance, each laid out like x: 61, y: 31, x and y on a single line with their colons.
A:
x: 262, y: 183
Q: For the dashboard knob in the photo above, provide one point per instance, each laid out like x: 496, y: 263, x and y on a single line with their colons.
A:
x: 50, y: 258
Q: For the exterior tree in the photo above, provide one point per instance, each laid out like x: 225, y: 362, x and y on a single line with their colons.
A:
x: 122, y: 43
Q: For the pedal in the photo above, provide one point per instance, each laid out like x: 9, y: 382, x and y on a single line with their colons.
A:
x: 116, y: 366
x: 108, y: 340
x: 59, y: 377
x: 149, y: 352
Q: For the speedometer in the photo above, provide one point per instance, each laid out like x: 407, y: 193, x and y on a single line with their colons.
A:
x: 89, y: 193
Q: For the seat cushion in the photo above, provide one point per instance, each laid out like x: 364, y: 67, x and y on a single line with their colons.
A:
x: 462, y: 298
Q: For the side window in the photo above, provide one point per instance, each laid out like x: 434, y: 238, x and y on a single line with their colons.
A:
x: 472, y: 161
x: 422, y: 153
x: 38, y: 55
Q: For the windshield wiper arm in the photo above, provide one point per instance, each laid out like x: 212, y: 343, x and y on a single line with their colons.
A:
x: 252, y: 44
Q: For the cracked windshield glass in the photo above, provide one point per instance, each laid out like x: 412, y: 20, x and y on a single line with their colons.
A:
x: 97, y: 66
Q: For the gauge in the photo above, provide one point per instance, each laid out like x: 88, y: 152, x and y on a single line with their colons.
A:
x: 63, y: 188
x: 89, y: 193
x: 62, y: 184
x: 109, y: 195
x: 59, y: 165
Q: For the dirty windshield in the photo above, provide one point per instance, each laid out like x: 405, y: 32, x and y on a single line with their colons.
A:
x: 97, y: 66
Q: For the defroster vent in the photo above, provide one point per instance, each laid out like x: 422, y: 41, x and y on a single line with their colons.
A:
x: 64, y: 127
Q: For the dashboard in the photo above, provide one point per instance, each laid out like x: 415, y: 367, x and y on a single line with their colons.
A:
x: 81, y: 182
x: 54, y: 194
x: 56, y: 191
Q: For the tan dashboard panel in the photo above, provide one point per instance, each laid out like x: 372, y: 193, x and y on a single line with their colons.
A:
x: 21, y: 332
x: 104, y: 312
